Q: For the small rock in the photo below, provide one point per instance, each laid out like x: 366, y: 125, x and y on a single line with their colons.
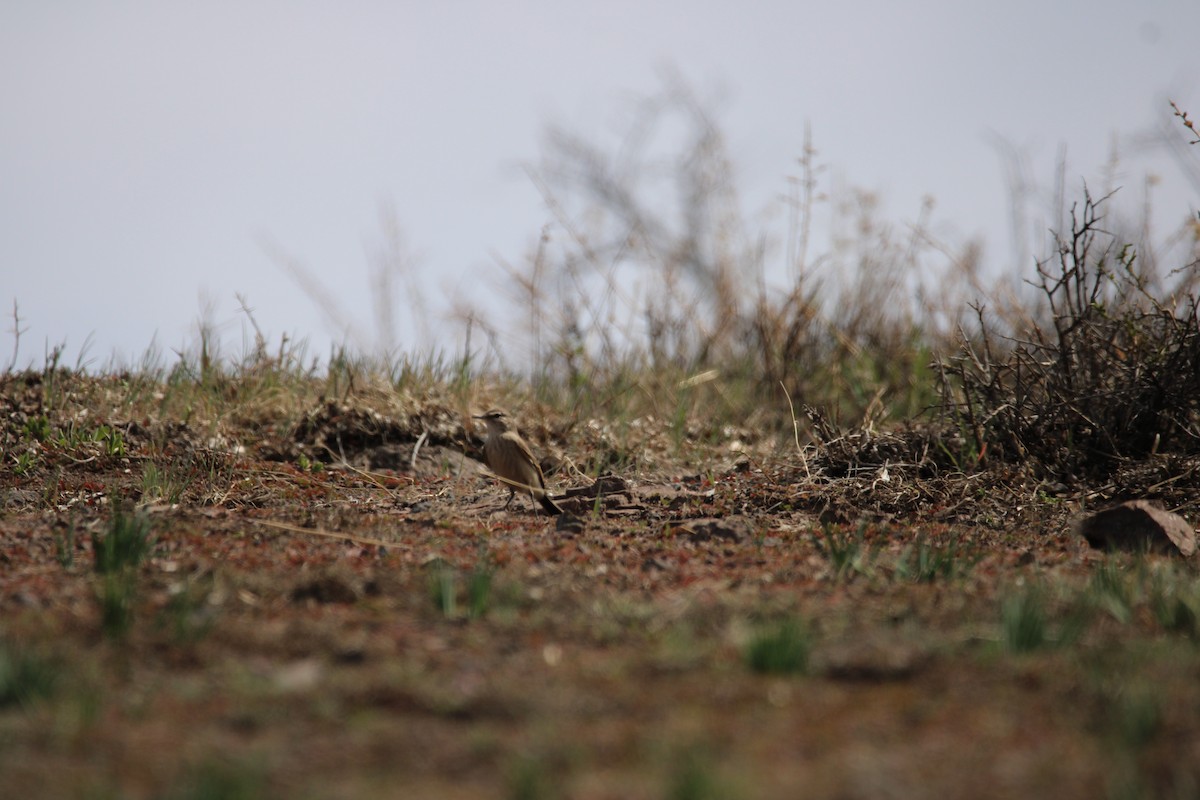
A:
x: 871, y: 659
x: 389, y: 456
x: 569, y: 523
x: 353, y: 654
x: 603, y: 485
x: 1138, y: 525
x: 298, y: 676
x: 326, y: 588
x: 731, y: 529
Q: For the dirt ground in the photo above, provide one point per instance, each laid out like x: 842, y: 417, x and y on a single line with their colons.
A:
x: 305, y: 629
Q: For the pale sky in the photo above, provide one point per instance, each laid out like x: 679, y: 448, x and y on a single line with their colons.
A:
x: 148, y: 150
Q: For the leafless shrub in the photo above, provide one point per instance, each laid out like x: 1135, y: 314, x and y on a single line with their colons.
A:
x: 1107, y: 368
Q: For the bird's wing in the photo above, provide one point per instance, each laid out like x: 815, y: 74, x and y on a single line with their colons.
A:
x: 519, y: 442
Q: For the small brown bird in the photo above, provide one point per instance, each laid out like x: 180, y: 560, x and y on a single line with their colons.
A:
x: 510, y: 458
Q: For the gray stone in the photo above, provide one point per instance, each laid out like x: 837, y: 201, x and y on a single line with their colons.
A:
x: 1138, y: 525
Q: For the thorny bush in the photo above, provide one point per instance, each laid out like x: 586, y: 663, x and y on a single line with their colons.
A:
x: 1107, y: 370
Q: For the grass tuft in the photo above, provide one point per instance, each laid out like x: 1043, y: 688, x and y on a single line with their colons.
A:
x: 693, y: 778
x: 24, y: 677
x: 1111, y: 589
x: 926, y: 562
x: 164, y: 483
x: 217, y: 780
x: 117, y: 553
x: 443, y: 587
x: 1174, y: 604
x: 123, y: 545
x: 479, y: 588
x: 1023, y: 619
x: 116, y: 596
x: 528, y: 779
x: 847, y: 553
x: 783, y: 648
x: 64, y: 546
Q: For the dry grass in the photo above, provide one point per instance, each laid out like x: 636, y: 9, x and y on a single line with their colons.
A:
x: 332, y: 626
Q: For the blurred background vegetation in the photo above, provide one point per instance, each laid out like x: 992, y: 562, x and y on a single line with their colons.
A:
x: 650, y: 296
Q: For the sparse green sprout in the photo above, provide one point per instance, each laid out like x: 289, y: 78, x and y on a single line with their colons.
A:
x: 152, y: 478
x: 38, y: 428
x: 24, y: 677
x: 1139, y: 716
x: 1023, y: 617
x: 68, y: 437
x: 306, y: 464
x: 1026, y: 621
x: 64, y: 547
x: 1111, y: 589
x: 50, y: 494
x: 1174, y: 609
x: 1074, y: 624
x: 167, y: 484
x: 24, y: 462
x: 846, y: 553
x: 780, y: 649
x: 111, y: 440
x: 479, y: 589
x: 124, y: 544
x: 1176, y: 615
x: 926, y: 562
x: 117, y: 594
x: 693, y: 779
x: 215, y: 780
x: 527, y: 780
x: 443, y: 587
x: 116, y: 553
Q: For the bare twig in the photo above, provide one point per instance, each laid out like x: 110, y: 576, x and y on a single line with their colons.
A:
x: 1187, y: 123
x: 796, y: 431
x: 412, y: 461
x: 17, y: 330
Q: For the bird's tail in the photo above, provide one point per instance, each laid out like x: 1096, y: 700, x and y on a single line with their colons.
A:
x: 551, y: 507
